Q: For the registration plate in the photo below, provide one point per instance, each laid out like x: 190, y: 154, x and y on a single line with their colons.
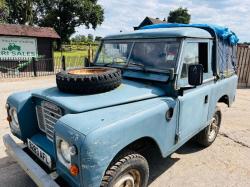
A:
x: 44, y: 157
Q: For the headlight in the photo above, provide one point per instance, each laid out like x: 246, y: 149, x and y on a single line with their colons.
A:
x: 14, y: 119
x: 64, y: 151
x: 64, y: 147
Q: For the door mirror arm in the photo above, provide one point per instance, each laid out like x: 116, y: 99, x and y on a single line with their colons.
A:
x: 182, y: 89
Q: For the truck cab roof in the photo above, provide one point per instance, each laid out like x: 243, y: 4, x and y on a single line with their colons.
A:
x: 176, y: 32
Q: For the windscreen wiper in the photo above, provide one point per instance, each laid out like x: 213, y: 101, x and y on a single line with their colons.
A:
x: 108, y: 64
x: 138, y: 64
x: 111, y: 63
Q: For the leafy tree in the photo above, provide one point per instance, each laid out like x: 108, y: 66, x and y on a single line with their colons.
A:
x: 246, y: 43
x: 62, y: 15
x: 179, y: 15
x: 3, y: 11
x: 78, y: 39
x: 90, y: 38
x: 21, y: 11
x: 83, y: 38
x: 98, y: 38
x: 65, y: 15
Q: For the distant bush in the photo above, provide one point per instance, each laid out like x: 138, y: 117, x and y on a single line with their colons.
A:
x: 79, y: 47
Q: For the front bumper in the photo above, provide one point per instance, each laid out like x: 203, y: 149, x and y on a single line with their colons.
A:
x: 39, y: 176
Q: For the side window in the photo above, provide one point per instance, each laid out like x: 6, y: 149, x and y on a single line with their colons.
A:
x: 194, y: 53
x: 190, y: 56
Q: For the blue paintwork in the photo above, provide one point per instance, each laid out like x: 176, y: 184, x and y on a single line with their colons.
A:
x: 73, y: 138
x: 98, y: 148
x: 221, y: 88
x: 132, y: 91
x: 102, y: 125
x: 24, y: 105
x: 162, y: 33
x: 41, y: 141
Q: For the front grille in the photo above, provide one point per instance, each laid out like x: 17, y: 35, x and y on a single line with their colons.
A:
x: 47, y: 115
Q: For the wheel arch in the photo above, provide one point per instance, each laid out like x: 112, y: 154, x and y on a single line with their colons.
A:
x: 138, y: 146
x: 224, y: 99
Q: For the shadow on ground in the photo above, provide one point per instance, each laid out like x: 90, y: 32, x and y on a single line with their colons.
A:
x: 159, y: 165
x: 12, y: 175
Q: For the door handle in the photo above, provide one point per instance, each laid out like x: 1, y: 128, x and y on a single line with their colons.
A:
x: 206, y: 99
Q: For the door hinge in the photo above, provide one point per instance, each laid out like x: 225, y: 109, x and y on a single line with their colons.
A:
x: 176, y: 138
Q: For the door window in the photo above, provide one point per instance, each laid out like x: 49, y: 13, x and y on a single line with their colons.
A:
x: 194, y: 53
x: 190, y: 56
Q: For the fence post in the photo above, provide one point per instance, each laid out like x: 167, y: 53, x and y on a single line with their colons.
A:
x: 92, y: 54
x: 63, y: 63
x: 34, y: 66
x: 89, y: 53
x: 86, y: 62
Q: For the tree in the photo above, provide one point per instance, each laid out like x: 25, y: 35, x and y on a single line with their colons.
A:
x: 65, y: 15
x: 90, y: 38
x: 78, y: 38
x: 179, y: 15
x: 246, y: 43
x: 62, y: 15
x: 98, y: 38
x: 83, y: 38
x: 21, y: 11
x: 3, y: 11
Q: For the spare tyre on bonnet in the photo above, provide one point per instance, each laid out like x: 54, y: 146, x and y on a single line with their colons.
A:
x: 89, y: 80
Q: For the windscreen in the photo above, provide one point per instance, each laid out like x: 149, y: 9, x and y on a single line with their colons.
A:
x: 148, y: 54
x: 115, y: 53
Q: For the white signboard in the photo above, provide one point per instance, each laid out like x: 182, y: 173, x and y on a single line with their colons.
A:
x: 17, y: 47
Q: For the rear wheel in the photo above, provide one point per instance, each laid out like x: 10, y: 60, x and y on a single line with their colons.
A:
x: 209, y: 134
x: 129, y: 171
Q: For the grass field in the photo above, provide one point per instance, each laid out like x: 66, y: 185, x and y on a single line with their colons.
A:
x: 71, y: 53
x: 72, y: 58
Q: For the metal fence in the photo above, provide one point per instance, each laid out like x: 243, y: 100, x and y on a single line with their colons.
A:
x: 13, y: 68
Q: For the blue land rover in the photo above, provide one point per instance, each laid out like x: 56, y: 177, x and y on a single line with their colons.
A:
x: 153, y: 88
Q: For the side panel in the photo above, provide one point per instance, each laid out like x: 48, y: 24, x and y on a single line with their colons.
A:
x: 73, y: 138
x: 194, y: 105
x: 221, y: 88
x: 22, y: 101
x: 116, y: 127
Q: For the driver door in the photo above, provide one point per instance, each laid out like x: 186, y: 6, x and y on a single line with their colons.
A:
x: 194, y: 103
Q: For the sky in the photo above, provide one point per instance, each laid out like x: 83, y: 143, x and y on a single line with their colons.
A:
x: 125, y: 14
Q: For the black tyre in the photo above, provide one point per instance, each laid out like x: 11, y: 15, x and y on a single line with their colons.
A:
x: 88, y: 80
x: 207, y: 136
x: 130, y: 170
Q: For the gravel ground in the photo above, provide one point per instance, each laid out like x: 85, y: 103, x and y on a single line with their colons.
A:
x: 225, y: 163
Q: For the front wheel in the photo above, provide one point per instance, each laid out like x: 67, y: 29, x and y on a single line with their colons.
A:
x: 209, y: 134
x: 130, y: 171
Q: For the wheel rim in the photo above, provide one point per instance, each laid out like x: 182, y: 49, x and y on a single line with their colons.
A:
x: 131, y: 178
x: 87, y: 71
x: 213, y: 128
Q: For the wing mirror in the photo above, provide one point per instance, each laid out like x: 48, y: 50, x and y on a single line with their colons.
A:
x: 195, y: 74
